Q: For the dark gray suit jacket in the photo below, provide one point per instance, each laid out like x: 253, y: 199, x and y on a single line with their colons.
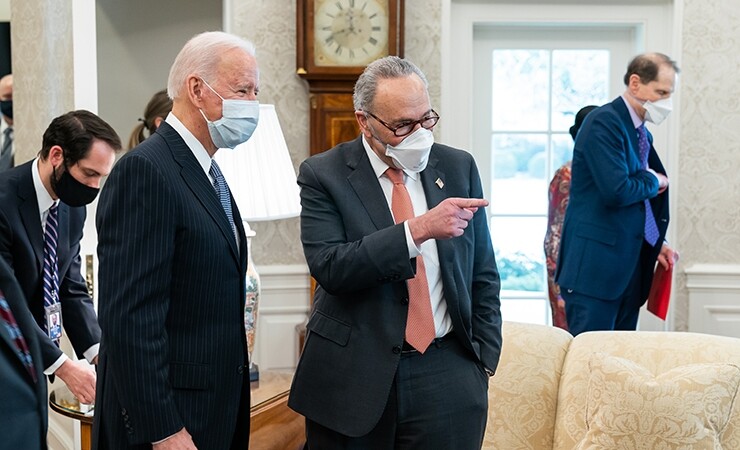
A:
x: 360, y: 261
x: 22, y: 246
x: 23, y: 415
x: 172, y: 291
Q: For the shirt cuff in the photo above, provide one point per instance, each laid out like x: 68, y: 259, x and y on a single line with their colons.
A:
x: 168, y: 437
x: 414, y: 251
x: 91, y: 353
x: 57, y: 364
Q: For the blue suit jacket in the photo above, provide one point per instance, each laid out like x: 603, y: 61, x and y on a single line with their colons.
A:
x: 23, y: 414
x: 22, y: 246
x: 172, y: 291
x: 604, y: 224
x: 360, y: 261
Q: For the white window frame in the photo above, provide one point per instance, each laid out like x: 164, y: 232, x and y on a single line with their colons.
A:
x: 656, y: 31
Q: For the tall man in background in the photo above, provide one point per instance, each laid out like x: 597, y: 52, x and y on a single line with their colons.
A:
x: 174, y: 372
x: 406, y: 326
x: 42, y: 214
x: 617, y: 214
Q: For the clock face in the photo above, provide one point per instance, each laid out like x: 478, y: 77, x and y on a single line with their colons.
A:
x: 350, y: 32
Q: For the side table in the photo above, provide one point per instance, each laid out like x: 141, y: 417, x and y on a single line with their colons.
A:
x: 62, y: 401
x: 273, y: 426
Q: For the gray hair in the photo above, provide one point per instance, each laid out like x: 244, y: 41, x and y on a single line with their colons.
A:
x: 201, y: 55
x: 383, y: 68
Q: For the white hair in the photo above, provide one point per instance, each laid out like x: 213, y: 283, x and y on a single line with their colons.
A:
x: 201, y: 55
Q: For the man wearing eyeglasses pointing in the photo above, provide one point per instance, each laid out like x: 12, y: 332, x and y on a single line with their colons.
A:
x: 406, y: 326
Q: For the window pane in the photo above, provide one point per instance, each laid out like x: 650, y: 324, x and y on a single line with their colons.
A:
x: 519, y: 183
x: 526, y: 310
x: 520, y: 90
x: 562, y: 151
x: 579, y: 78
x: 520, y: 257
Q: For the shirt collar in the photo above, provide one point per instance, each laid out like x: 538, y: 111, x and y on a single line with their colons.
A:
x: 42, y: 195
x: 200, y: 153
x: 379, y: 166
x: 636, y: 121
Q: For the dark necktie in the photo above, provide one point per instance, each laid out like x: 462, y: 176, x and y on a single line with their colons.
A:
x: 651, y: 228
x: 6, y: 152
x: 21, y: 346
x: 51, y: 270
x: 222, y: 191
x: 420, y: 321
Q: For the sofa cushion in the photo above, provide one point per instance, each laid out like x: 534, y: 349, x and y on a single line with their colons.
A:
x: 658, y: 352
x: 522, y: 396
x: 628, y: 407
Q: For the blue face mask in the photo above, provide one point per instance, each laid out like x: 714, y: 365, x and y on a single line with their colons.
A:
x: 240, y: 118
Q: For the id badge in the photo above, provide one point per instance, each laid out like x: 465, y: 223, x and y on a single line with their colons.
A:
x: 54, y: 321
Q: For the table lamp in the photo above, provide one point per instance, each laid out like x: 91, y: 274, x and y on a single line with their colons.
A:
x: 261, y: 177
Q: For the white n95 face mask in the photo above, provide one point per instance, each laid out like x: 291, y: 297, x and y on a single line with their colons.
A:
x: 238, y: 122
x: 412, y: 153
x: 657, y: 111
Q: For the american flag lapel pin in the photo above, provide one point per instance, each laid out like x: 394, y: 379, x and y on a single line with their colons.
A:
x: 440, y: 183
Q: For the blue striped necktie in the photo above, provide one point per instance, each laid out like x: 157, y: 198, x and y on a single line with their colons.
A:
x: 21, y: 346
x: 51, y: 269
x: 222, y: 191
x: 651, y: 228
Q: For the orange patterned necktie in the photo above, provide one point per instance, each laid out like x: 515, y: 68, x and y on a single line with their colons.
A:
x: 420, y: 321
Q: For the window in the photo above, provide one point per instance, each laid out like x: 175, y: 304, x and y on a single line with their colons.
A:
x: 530, y: 82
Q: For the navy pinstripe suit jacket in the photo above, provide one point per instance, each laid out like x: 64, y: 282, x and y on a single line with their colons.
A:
x: 171, y: 303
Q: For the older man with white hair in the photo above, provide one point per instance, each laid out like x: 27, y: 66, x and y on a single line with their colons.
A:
x: 173, y: 371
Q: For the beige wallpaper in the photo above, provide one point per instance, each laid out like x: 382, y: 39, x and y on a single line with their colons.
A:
x: 272, y: 27
x: 45, y: 87
x: 708, y: 207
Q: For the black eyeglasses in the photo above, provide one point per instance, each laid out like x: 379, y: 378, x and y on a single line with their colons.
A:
x: 406, y: 128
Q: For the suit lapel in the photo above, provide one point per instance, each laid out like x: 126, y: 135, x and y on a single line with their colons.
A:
x: 63, y: 240
x: 435, y: 190
x: 194, y: 177
x: 366, y: 186
x: 624, y: 115
x: 28, y: 209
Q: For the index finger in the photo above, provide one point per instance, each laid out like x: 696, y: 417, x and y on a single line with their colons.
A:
x: 470, y: 202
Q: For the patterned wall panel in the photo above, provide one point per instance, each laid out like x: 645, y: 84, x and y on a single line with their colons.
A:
x: 708, y: 206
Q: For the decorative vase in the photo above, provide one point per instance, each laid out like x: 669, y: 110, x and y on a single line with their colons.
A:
x: 251, y: 305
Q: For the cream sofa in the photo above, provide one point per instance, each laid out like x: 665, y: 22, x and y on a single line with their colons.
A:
x: 614, y: 390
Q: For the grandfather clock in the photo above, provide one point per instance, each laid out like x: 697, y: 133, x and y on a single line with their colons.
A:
x: 336, y: 40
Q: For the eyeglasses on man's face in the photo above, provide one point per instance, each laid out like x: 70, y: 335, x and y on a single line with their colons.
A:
x: 405, y: 128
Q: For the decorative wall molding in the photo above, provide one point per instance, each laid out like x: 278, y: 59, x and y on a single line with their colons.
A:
x: 714, y: 298
x: 284, y: 303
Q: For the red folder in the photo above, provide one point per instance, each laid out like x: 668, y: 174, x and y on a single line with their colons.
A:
x: 660, y: 291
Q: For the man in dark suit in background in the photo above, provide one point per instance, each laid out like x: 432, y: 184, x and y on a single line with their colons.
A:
x: 7, y: 158
x: 173, y: 371
x: 42, y: 214
x: 23, y: 415
x: 406, y: 326
x: 617, y: 214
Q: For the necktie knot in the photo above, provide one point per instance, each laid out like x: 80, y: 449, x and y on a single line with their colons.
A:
x: 223, y: 194
x: 215, y: 170
x: 395, y: 175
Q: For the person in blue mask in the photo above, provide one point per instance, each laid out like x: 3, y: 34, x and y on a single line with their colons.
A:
x: 173, y: 370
